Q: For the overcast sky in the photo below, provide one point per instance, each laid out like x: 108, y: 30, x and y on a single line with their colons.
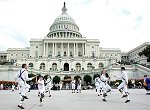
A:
x: 122, y: 24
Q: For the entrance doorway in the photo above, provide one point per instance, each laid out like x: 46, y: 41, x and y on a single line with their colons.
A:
x: 66, y: 67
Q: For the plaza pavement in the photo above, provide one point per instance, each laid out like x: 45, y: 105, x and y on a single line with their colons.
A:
x: 87, y: 100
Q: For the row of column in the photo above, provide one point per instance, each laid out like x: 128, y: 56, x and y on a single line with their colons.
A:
x: 64, y: 34
x: 55, y: 51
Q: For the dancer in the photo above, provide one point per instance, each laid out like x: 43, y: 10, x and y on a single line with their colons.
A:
x: 123, y: 86
x: 104, y: 84
x: 49, y: 85
x: 41, y: 88
x: 97, y: 85
x: 21, y: 77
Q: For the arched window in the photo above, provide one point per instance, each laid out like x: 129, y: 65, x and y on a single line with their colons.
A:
x: 78, y: 66
x: 42, y: 66
x: 31, y: 65
x: 54, y: 66
x: 89, y: 66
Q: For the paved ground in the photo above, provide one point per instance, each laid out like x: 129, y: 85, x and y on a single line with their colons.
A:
x: 87, y: 100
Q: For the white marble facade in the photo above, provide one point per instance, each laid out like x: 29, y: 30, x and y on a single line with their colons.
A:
x: 65, y: 49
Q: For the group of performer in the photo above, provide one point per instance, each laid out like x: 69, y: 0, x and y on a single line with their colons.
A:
x: 22, y: 78
x: 101, y: 84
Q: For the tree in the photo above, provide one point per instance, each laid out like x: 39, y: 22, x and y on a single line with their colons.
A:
x: 77, y: 77
x: 146, y: 53
x: 56, y: 79
x: 87, y: 79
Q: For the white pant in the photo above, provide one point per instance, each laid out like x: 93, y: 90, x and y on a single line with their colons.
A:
x: 123, y: 86
x: 22, y: 88
x: 103, y: 86
x: 79, y: 87
x: 73, y: 86
x: 27, y: 87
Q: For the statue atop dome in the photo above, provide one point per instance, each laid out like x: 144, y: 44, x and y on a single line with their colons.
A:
x: 64, y: 9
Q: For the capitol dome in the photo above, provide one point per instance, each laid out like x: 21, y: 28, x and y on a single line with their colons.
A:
x: 64, y: 26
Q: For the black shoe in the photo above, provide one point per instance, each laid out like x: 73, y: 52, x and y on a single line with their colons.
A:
x: 124, y: 96
x: 25, y: 97
x: 50, y: 95
x: 98, y: 95
x: 20, y: 106
x: 41, y: 100
x: 127, y: 101
x: 109, y: 90
x: 46, y: 91
x: 104, y: 95
x: 104, y: 100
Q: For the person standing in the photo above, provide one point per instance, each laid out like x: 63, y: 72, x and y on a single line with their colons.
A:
x: 146, y: 84
x: 123, y: 86
x: 73, y: 85
x: 49, y: 85
x: 21, y: 77
x: 79, y: 85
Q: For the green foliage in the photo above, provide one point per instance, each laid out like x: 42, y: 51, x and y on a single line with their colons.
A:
x: 56, y: 79
x: 77, y: 77
x: 146, y: 53
x: 87, y: 79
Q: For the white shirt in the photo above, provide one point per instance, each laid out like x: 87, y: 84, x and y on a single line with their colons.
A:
x: 23, y: 77
x: 49, y: 82
x: 103, y: 78
x: 41, y: 84
x: 97, y: 81
x: 123, y: 77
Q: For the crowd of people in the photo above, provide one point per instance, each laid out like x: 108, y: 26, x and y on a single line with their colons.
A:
x: 101, y: 84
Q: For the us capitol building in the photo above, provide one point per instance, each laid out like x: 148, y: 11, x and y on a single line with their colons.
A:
x: 64, y: 51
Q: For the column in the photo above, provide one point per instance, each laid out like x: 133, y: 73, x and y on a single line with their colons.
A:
x: 53, y: 50
x: 85, y: 50
x: 82, y: 49
x: 77, y: 49
x: 44, y: 49
x: 62, y: 49
x: 47, y: 50
x: 68, y: 49
x: 74, y: 53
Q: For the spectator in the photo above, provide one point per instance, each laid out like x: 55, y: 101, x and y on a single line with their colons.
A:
x: 147, y: 84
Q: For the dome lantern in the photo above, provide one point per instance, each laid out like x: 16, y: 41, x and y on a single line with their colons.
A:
x: 64, y: 9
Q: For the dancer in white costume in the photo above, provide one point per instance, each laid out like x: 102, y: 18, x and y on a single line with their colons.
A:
x: 73, y: 85
x: 123, y: 86
x: 49, y: 85
x: 97, y: 85
x: 21, y: 77
x: 41, y: 88
x: 104, y: 85
x: 79, y: 85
